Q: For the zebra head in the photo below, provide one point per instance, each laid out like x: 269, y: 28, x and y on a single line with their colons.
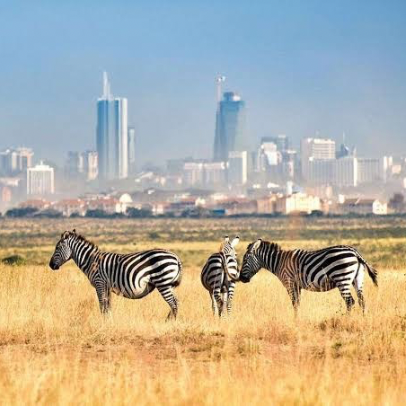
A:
x: 251, y: 263
x: 63, y: 250
x: 228, y: 249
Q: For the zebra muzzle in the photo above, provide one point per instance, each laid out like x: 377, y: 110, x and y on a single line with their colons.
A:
x: 53, y: 266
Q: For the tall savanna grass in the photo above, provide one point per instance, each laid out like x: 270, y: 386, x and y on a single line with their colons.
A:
x: 56, y: 348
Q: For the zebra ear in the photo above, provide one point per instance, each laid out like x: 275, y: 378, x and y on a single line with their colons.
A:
x: 74, y: 231
x: 226, y: 239
x: 235, y: 241
x: 257, y: 244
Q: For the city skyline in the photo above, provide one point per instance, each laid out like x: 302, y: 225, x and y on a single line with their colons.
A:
x: 301, y: 68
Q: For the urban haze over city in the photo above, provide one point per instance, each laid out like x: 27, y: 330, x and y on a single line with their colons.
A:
x: 235, y: 109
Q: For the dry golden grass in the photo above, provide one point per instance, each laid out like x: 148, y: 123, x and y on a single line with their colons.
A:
x: 55, y: 347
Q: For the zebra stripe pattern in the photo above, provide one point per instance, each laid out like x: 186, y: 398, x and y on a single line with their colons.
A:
x: 219, y: 275
x: 133, y: 276
x: 339, y: 267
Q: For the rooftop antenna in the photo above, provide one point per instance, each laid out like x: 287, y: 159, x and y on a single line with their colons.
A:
x: 220, y: 79
x: 343, y: 138
x: 106, y: 86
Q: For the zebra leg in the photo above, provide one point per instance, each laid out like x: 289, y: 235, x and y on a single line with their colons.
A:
x: 345, y: 292
x: 230, y: 296
x: 213, y: 304
x: 358, y: 284
x: 219, y: 301
x: 224, y: 305
x: 103, y: 295
x: 294, y: 294
x: 170, y: 298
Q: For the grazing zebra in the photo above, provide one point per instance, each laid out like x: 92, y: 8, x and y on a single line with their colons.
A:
x: 219, y: 275
x: 318, y: 271
x: 131, y: 275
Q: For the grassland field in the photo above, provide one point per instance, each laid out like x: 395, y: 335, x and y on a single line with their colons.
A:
x: 56, y: 348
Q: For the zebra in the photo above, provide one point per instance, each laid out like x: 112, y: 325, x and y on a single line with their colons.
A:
x: 319, y: 271
x: 133, y: 275
x: 219, y: 275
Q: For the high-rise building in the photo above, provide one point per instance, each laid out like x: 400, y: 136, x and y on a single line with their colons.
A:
x: 131, y: 151
x: 372, y: 170
x: 237, y: 168
x: 231, y: 132
x: 320, y: 171
x: 281, y: 141
x: 81, y: 165
x: 194, y: 173
x: 314, y: 150
x: 40, y: 180
x: 15, y: 160
x: 346, y: 171
x: 90, y: 164
x: 74, y: 166
x: 112, y: 135
x: 268, y: 155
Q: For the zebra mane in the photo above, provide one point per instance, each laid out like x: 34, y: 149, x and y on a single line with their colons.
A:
x: 272, y: 246
x: 81, y: 238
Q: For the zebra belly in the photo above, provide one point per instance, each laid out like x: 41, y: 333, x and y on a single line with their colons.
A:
x: 322, y: 285
x: 134, y: 294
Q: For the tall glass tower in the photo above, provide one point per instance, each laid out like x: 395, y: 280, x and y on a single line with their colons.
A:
x: 112, y: 134
x: 231, y: 132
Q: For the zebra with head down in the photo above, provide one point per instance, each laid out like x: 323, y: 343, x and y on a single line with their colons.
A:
x: 339, y: 267
x: 132, y: 275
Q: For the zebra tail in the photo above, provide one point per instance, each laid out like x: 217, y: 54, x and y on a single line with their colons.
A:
x: 224, y: 263
x: 179, y: 278
x: 372, y: 272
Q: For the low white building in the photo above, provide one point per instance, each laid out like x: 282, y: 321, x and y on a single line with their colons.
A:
x: 363, y: 206
x: 297, y: 203
x: 124, y: 202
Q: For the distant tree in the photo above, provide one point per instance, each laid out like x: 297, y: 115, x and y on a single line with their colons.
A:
x: 49, y: 213
x: 98, y: 213
x: 75, y: 215
x: 21, y: 212
x: 316, y: 213
x: 397, y: 203
x: 196, y: 212
x: 132, y: 212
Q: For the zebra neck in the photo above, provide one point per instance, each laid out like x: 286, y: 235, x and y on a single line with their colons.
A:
x: 272, y: 261
x: 84, y: 255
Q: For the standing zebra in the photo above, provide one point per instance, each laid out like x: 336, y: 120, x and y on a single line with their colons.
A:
x: 318, y: 271
x: 219, y: 275
x: 131, y: 275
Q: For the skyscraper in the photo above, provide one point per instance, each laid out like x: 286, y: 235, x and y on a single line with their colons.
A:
x: 131, y: 151
x: 112, y: 134
x: 230, y: 127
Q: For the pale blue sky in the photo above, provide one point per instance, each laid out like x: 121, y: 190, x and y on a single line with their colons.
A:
x: 301, y: 66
